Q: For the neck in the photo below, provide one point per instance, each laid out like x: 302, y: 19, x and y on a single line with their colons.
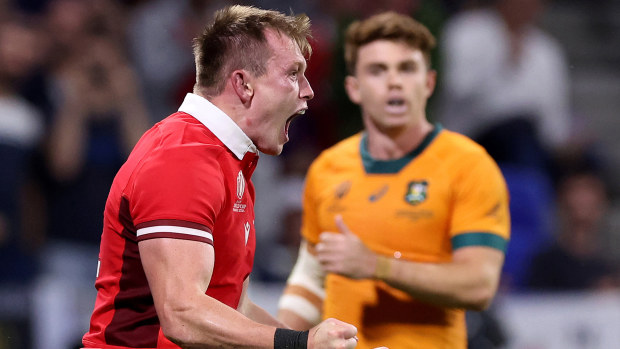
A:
x: 228, y: 104
x: 391, y: 145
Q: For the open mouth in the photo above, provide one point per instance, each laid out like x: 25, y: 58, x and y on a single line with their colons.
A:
x: 396, y: 102
x: 291, y: 118
x: 396, y: 106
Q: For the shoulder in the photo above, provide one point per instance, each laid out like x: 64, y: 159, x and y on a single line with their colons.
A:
x: 452, y: 144
x: 181, y: 133
x: 181, y: 127
x: 178, y: 180
x: 339, y: 156
x: 461, y: 156
x: 180, y: 147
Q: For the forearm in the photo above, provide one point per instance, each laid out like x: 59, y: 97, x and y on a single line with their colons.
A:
x: 469, y: 280
x: 260, y: 315
x: 467, y: 284
x: 206, y: 323
x: 222, y: 327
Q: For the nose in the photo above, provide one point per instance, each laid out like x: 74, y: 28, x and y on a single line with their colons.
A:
x: 305, y: 90
x: 394, y: 79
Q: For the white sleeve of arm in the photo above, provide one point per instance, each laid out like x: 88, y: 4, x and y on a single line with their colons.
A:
x: 305, y: 290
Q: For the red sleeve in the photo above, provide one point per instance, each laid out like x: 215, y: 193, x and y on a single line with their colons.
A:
x: 178, y: 193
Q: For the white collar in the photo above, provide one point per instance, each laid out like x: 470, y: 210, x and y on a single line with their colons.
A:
x: 222, y: 126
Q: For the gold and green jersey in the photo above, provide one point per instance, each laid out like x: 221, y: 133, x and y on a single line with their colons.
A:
x: 446, y: 194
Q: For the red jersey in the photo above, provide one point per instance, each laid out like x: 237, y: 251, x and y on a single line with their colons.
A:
x: 187, y: 178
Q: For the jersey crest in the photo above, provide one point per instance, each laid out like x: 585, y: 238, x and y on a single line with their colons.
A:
x: 417, y: 191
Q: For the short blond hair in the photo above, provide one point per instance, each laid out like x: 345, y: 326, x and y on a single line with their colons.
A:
x: 235, y: 39
x: 386, y: 26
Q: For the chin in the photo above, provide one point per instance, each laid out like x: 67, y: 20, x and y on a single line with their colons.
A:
x: 271, y: 150
x: 392, y: 127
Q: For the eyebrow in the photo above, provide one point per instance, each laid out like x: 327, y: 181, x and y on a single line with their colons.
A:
x: 375, y: 65
x: 400, y: 65
x: 408, y: 63
x: 299, y: 64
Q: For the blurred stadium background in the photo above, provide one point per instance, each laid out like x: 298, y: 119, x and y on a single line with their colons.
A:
x: 81, y: 80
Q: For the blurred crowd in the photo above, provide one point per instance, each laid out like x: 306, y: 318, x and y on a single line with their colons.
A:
x: 80, y: 81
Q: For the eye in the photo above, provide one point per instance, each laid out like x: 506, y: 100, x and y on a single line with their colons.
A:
x: 376, y: 70
x: 409, y: 67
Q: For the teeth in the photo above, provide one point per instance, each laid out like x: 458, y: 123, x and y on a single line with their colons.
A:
x: 301, y: 112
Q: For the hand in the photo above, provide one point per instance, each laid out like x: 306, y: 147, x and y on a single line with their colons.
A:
x: 344, y: 253
x: 332, y: 333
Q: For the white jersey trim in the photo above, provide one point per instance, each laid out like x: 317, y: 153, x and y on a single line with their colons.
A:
x: 218, y: 122
x: 174, y: 229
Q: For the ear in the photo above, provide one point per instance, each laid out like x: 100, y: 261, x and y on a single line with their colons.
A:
x: 240, y: 80
x: 431, y: 82
x: 351, y: 85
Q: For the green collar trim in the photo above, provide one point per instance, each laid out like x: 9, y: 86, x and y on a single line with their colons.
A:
x: 373, y: 166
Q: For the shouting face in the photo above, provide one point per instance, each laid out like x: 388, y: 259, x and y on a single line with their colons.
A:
x: 279, y: 95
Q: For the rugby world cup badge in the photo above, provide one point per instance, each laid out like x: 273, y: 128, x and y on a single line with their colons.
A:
x: 239, y: 206
x: 240, y: 185
x: 417, y: 191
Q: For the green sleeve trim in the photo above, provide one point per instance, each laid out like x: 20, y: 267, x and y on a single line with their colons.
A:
x: 479, y: 239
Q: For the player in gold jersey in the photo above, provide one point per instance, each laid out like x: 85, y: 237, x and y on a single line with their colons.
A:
x: 405, y: 224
